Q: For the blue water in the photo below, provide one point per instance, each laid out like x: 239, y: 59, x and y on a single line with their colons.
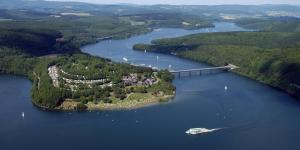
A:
x: 117, y: 49
x: 254, y: 116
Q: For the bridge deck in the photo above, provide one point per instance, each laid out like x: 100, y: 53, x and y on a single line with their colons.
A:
x: 230, y: 66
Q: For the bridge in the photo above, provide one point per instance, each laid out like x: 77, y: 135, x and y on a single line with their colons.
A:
x: 201, y: 71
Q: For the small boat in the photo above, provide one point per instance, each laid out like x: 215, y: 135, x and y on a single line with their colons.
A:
x: 225, y: 88
x: 157, y: 30
x: 125, y: 59
x: 194, y: 131
x: 23, y: 114
x: 145, y: 51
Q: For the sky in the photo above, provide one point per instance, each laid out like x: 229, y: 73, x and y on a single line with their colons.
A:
x: 191, y: 2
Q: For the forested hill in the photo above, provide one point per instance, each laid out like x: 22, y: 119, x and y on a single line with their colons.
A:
x: 36, y: 42
x: 269, y: 57
x: 271, y: 24
x: 258, y: 39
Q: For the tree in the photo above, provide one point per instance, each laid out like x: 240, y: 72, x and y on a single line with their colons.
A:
x: 81, y: 107
x: 83, y: 100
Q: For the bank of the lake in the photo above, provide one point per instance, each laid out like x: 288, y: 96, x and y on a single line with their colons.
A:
x: 134, y: 101
x: 271, y: 58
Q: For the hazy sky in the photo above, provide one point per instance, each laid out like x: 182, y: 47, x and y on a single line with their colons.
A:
x: 190, y: 2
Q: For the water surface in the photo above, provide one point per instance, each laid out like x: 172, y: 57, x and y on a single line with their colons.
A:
x: 254, y: 116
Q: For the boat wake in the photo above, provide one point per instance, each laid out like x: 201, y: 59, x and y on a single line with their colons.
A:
x: 195, y: 131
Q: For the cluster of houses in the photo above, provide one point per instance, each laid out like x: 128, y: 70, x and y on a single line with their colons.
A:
x: 53, y: 73
x: 77, y: 76
x: 73, y: 84
x: 72, y: 81
x: 133, y: 79
x: 130, y: 80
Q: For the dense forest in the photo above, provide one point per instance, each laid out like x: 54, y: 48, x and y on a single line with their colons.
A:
x: 267, y: 56
x: 79, y: 30
x: 275, y: 24
x: 36, y: 42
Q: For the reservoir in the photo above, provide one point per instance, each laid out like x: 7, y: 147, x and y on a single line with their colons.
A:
x: 251, y: 115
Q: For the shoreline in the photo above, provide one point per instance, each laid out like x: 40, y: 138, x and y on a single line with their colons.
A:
x: 150, y: 30
x: 70, y: 105
x: 234, y: 72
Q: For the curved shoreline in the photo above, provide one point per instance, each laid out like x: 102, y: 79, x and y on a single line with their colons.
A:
x: 70, y: 105
x: 241, y: 74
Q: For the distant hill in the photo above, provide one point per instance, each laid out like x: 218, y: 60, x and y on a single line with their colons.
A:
x: 35, y: 41
x: 125, y: 9
x: 278, y: 24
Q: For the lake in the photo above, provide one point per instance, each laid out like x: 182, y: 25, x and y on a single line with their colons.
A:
x: 251, y: 115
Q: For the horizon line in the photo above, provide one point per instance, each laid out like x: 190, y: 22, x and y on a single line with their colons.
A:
x: 99, y: 3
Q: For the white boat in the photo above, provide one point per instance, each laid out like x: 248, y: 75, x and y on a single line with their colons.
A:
x: 194, y: 131
x: 225, y: 88
x: 125, y: 59
x: 23, y: 114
